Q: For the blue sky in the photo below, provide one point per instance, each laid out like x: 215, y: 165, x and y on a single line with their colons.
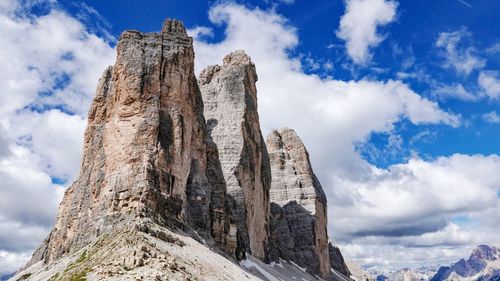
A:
x: 398, y: 103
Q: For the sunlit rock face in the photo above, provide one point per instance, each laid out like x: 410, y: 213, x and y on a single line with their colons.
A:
x: 230, y: 100
x: 147, y: 152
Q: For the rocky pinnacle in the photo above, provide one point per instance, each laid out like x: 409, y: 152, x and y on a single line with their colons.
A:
x: 298, y: 210
x: 147, y: 152
x: 230, y: 100
x: 175, y: 181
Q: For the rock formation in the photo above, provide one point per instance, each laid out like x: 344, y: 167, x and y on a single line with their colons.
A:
x: 147, y: 152
x: 298, y: 210
x: 170, y: 190
x: 230, y: 100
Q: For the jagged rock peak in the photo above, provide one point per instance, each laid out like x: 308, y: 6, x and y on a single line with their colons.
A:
x: 238, y: 57
x: 485, y: 252
x: 298, y: 210
x: 173, y: 26
x: 293, y: 176
x: 230, y: 100
x: 147, y: 152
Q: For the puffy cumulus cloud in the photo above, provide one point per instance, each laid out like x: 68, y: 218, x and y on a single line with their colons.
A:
x: 492, y: 117
x: 417, y: 197
x: 51, y: 54
x: 420, y: 213
x: 54, y: 64
x: 360, y: 23
x: 28, y: 195
x: 411, y: 203
x: 9, y: 261
x: 28, y: 204
x: 489, y: 81
x: 459, y: 57
x: 55, y: 136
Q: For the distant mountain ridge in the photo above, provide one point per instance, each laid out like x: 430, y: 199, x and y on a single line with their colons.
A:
x: 482, y: 265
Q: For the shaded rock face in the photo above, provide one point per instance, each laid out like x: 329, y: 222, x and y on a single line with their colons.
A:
x: 441, y: 274
x: 147, y: 152
x: 337, y: 261
x: 230, y: 101
x: 298, y: 210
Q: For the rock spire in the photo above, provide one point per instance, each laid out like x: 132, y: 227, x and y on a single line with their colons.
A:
x: 298, y: 210
x: 230, y: 99
x: 177, y: 183
x: 147, y: 152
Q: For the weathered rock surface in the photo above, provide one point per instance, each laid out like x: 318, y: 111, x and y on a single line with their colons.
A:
x: 148, y: 251
x: 298, y: 210
x: 147, y: 152
x: 139, y: 251
x: 230, y: 100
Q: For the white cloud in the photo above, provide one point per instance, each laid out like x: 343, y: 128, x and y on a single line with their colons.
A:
x: 456, y: 91
x: 28, y: 204
x: 462, y: 59
x: 55, y: 136
x: 200, y: 31
x: 390, y: 203
x: 9, y: 262
x: 54, y: 64
x: 494, y: 49
x: 489, y: 81
x: 492, y: 117
x: 359, y: 26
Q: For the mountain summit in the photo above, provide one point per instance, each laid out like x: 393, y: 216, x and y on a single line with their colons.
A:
x: 176, y: 178
x: 482, y: 265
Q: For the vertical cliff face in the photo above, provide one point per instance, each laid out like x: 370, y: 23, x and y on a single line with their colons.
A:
x: 230, y: 100
x: 147, y: 152
x: 298, y: 210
